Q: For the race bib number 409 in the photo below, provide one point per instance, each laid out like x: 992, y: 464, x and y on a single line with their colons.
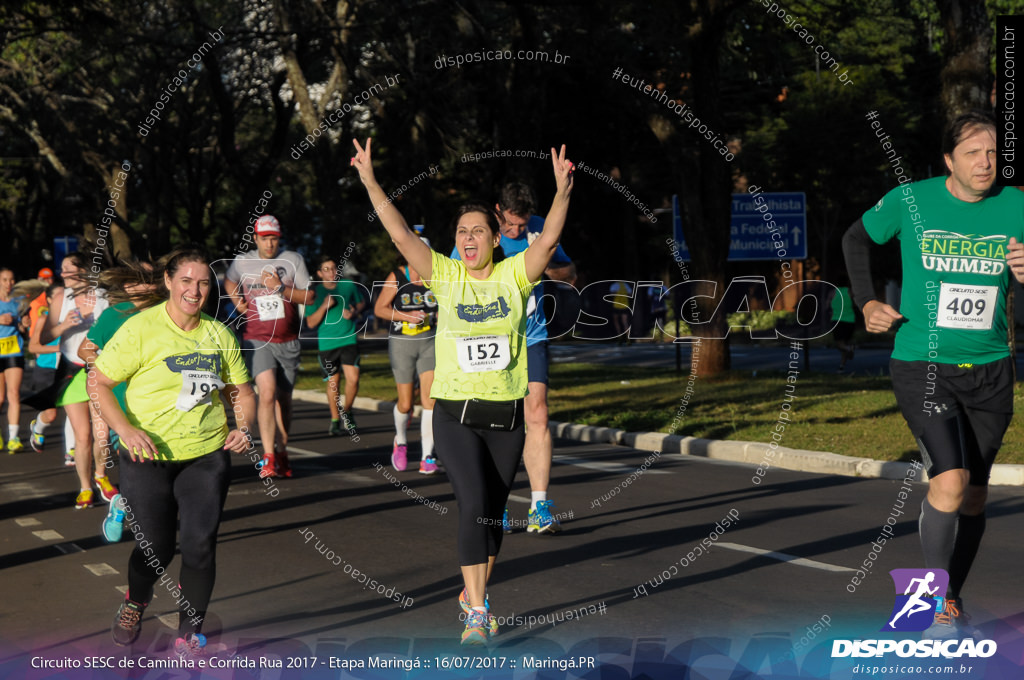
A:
x: 967, y: 307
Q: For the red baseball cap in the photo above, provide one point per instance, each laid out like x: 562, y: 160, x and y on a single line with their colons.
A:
x: 45, y: 273
x: 267, y: 225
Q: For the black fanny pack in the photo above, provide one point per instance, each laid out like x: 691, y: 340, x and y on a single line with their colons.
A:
x: 500, y: 416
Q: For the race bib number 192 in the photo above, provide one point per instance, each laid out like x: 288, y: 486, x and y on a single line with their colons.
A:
x: 196, y: 388
x: 967, y: 307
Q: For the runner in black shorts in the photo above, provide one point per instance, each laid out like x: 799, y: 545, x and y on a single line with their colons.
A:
x: 337, y: 303
x: 950, y: 366
x: 12, y: 356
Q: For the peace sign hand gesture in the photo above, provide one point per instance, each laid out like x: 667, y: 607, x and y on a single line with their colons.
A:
x: 563, y: 168
x: 363, y: 162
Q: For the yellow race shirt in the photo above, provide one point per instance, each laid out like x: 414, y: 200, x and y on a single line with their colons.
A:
x: 481, y: 330
x: 174, y: 380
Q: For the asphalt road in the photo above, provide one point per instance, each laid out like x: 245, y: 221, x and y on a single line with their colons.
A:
x: 785, y: 562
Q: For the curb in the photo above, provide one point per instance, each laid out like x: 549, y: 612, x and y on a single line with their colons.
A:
x: 756, y: 454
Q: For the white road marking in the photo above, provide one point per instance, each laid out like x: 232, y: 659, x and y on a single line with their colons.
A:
x: 124, y: 591
x: 101, y: 569
x: 68, y: 548
x: 347, y: 476
x: 47, y: 535
x: 27, y: 522
x: 603, y: 466
x: 783, y: 557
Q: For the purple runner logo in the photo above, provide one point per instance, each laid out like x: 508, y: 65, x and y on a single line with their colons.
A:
x: 917, y: 593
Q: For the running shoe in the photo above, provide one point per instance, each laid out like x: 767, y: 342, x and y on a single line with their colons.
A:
x: 113, y: 523
x: 541, y: 521
x: 195, y: 646
x: 492, y: 621
x: 69, y: 458
x: 428, y: 466
x: 476, y: 631
x: 35, y: 440
x: 335, y: 429
x: 267, y: 467
x: 506, y: 523
x: 950, y: 621
x: 127, y: 622
x: 399, y: 456
x: 107, y: 490
x: 84, y: 499
x: 349, y: 419
x: 281, y: 466
x: 14, y: 445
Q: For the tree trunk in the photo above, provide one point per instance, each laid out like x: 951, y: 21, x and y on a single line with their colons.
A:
x: 708, y: 191
x: 966, y: 77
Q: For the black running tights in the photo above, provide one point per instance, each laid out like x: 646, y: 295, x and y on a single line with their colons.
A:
x: 156, y: 494
x: 481, y: 465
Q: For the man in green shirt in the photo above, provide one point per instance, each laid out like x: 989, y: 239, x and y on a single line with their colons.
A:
x: 337, y: 304
x: 951, y: 369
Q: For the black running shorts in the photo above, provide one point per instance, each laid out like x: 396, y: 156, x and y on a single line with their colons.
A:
x: 958, y: 413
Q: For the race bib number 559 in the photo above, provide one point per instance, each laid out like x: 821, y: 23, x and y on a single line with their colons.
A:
x: 967, y: 307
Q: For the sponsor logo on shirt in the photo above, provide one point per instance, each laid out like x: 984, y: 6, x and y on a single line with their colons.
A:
x: 947, y: 251
x: 194, y: 362
x: 498, y: 309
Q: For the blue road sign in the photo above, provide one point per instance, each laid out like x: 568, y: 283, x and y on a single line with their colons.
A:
x: 63, y: 246
x: 763, y: 227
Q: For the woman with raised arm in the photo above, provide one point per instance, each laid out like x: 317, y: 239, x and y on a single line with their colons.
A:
x: 480, y: 377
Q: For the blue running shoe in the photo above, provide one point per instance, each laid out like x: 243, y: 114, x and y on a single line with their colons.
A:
x: 476, y: 629
x: 113, y: 524
x: 36, y: 440
x: 541, y: 521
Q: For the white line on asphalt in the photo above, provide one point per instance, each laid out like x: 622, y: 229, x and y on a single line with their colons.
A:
x: 47, y: 535
x: 68, y: 548
x: 783, y: 557
x: 124, y: 591
x: 602, y: 466
x: 304, y: 453
x: 101, y: 569
x: 27, y: 522
x: 348, y: 476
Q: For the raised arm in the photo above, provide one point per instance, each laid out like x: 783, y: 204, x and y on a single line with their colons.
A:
x: 415, y: 251
x: 540, y: 251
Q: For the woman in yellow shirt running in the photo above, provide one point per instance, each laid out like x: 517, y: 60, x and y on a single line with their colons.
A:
x: 480, y: 377
x: 175, y: 441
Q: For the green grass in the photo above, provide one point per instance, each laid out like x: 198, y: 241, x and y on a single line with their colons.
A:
x: 849, y: 415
